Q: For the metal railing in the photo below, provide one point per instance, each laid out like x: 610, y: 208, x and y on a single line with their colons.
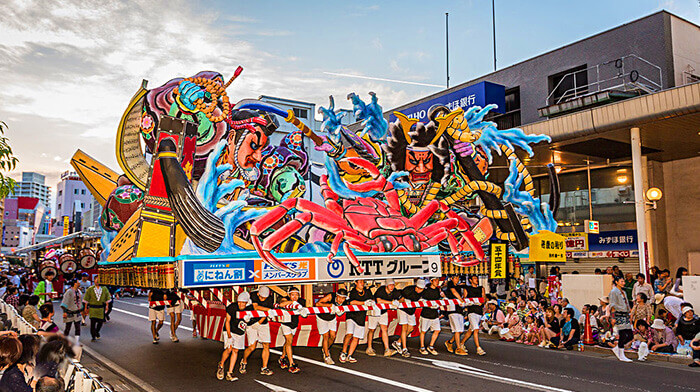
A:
x: 76, y: 377
x: 627, y: 73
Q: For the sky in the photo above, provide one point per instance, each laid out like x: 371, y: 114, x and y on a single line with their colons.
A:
x: 68, y: 68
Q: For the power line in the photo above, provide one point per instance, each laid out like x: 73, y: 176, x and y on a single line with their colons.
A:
x: 382, y: 79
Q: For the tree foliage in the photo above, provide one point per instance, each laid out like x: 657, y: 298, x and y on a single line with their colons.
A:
x: 8, y: 162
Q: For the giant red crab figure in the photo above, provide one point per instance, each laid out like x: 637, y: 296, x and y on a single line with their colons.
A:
x: 365, y: 224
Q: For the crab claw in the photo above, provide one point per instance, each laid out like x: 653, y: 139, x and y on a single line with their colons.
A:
x: 269, y: 258
x: 378, y: 182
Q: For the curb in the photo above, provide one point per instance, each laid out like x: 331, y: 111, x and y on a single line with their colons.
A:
x: 602, y: 350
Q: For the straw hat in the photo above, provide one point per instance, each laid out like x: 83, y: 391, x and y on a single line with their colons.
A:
x: 658, y: 324
x: 658, y: 298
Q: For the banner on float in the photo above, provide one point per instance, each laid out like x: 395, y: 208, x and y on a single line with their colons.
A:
x: 549, y: 247
x: 196, y: 272
x: 498, y: 254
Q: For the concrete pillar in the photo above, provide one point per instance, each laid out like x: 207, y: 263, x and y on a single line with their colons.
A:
x: 639, y: 201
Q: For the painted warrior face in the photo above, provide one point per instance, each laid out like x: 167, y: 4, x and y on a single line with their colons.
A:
x: 247, y: 152
x: 419, y: 163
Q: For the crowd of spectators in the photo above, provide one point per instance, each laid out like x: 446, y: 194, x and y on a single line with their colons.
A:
x: 635, y: 315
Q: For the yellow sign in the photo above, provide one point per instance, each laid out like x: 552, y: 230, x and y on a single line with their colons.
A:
x: 576, y: 242
x: 66, y: 225
x: 498, y: 261
x: 548, y: 247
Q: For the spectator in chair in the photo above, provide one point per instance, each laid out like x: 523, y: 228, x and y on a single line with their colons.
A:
x: 49, y: 384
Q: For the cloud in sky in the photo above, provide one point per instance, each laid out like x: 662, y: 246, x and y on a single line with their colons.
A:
x: 68, y: 69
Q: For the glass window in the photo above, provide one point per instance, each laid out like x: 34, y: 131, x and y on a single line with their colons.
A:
x: 301, y: 113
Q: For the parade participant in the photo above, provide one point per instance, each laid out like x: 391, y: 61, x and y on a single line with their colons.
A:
x: 327, y: 324
x: 355, y: 321
x: 386, y: 294
x: 430, y: 316
x: 72, y: 305
x: 474, y: 313
x: 621, y: 308
x: 234, y: 336
x: 175, y: 307
x: 407, y: 317
x: 259, y: 330
x: 45, y: 288
x: 156, y: 313
x: 455, y: 315
x: 293, y: 300
x: 85, y: 284
x: 96, y: 297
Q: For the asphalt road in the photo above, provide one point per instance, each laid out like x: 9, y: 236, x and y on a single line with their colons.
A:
x: 191, y: 364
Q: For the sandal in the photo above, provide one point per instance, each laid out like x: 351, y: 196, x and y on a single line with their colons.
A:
x: 220, y: 372
x: 230, y: 377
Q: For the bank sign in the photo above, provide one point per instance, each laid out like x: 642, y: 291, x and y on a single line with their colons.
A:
x: 480, y: 94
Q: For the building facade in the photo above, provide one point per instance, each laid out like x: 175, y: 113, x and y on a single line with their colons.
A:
x: 73, y: 201
x: 598, y: 98
x: 33, y: 185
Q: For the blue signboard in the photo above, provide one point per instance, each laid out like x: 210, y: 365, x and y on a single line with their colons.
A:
x: 217, y: 273
x: 613, y: 240
x: 480, y: 94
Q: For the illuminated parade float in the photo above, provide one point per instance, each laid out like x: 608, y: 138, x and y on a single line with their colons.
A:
x: 208, y: 206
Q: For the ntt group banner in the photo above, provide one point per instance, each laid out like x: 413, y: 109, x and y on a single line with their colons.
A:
x: 199, y: 271
x: 480, y: 94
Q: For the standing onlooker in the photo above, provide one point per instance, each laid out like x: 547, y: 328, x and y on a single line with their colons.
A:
x: 653, y: 274
x: 641, y: 286
x: 641, y: 310
x: 531, y: 278
x: 45, y: 288
x: 671, y: 304
x: 72, y: 305
x: 156, y: 313
x: 620, y: 309
x: 96, y: 298
x: 30, y: 311
x: 85, y: 284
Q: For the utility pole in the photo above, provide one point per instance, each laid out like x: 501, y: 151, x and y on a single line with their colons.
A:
x: 493, y: 19
x: 447, y: 47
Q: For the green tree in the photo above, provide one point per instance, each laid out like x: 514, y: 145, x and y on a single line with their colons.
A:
x: 8, y: 162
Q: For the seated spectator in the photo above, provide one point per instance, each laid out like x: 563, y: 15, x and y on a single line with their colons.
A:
x: 695, y: 345
x: 570, y: 331
x: 643, y: 338
x: 30, y: 312
x: 672, y: 304
x: 532, y: 295
x: 47, y: 324
x: 495, y: 320
x: 549, y: 334
x: 641, y: 286
x: 531, y: 332
x: 48, y: 358
x: 663, y: 284
x: 512, y: 328
x: 10, y: 351
x: 16, y: 376
x: 12, y: 297
x: 23, y: 299
x: 687, y: 327
x: 641, y: 310
x: 587, y: 311
x: 49, y: 384
x: 558, y: 314
x: 598, y: 271
x: 664, y: 341
x: 567, y: 305
x: 603, y: 315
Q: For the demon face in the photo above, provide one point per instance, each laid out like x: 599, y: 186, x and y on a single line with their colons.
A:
x: 419, y: 164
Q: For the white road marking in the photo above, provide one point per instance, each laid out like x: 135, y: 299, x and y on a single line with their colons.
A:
x: 358, y: 373
x: 142, y: 304
x: 273, y: 387
x: 452, y: 365
x: 146, y: 317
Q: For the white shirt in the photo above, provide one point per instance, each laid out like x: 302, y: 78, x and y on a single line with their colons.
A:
x: 591, y: 319
x: 15, y: 280
x: 673, y: 305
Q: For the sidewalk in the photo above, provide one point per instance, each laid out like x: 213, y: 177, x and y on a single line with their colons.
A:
x: 602, y: 350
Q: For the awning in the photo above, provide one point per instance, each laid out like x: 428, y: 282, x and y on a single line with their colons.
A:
x: 57, y: 241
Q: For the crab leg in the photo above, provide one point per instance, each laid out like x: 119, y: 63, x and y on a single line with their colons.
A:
x: 353, y: 259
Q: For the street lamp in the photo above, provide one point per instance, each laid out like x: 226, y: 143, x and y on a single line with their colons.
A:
x: 653, y: 195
